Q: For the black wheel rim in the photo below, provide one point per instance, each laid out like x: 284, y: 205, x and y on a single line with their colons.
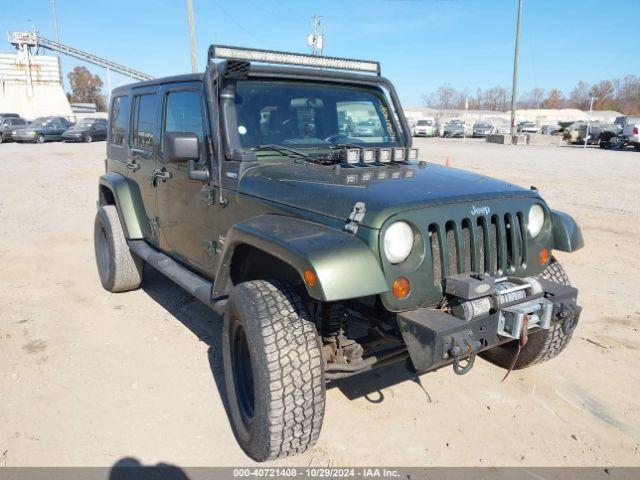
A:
x: 242, y: 373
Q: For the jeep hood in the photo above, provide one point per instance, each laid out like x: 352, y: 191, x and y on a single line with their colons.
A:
x: 386, y: 190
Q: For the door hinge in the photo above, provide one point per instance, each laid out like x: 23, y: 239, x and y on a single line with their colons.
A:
x: 355, y: 217
x: 211, y: 196
x: 212, y: 248
x: 155, y: 224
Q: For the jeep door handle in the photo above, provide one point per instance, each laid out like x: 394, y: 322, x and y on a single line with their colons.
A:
x: 162, y: 174
x: 133, y: 166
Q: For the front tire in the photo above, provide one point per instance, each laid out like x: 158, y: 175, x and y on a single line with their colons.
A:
x: 40, y: 138
x: 273, y: 370
x: 119, y: 268
x: 542, y: 345
x: 88, y: 138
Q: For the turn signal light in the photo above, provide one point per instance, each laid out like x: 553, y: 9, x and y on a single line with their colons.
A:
x: 400, y: 287
x: 544, y: 256
x: 310, y: 277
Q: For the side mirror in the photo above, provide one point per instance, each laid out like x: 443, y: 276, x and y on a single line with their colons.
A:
x: 180, y: 147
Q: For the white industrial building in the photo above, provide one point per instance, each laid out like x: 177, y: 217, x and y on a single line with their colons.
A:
x: 30, y: 85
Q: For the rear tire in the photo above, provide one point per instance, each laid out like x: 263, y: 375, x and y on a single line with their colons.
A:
x: 273, y: 370
x: 119, y: 268
x: 542, y: 345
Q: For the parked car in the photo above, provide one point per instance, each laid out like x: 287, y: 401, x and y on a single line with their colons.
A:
x: 631, y: 132
x: 9, y: 115
x: 87, y: 130
x: 455, y: 128
x: 367, y: 128
x: 501, y: 128
x: 550, y: 129
x: 311, y: 235
x: 424, y: 127
x: 482, y: 129
x: 42, y: 129
x: 528, y: 127
x: 8, y: 125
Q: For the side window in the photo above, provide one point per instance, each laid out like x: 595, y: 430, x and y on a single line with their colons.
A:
x: 184, y: 113
x: 144, y: 121
x: 120, y: 109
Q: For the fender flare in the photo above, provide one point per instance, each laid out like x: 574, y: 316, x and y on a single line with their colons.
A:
x: 567, y: 236
x: 344, y: 265
x: 129, y: 205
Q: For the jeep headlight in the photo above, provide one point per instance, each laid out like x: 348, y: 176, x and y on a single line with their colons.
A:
x: 398, y: 242
x: 536, y: 220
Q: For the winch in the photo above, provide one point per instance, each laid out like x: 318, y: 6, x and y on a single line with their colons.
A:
x: 474, y: 296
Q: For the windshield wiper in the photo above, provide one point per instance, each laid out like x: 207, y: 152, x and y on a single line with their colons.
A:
x: 280, y: 149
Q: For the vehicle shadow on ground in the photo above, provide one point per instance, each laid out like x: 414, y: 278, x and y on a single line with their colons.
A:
x: 129, y: 468
x: 207, y: 326
x: 200, y: 319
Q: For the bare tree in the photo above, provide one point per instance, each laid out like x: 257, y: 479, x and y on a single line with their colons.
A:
x: 533, y: 99
x: 579, y: 96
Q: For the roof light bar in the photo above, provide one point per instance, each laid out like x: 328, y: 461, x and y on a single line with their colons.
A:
x: 288, y: 58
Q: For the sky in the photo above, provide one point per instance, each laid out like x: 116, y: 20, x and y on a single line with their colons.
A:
x: 421, y: 44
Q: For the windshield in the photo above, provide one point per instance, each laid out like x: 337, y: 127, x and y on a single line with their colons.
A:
x: 482, y: 125
x: 311, y: 115
x: 424, y: 123
x: 84, y: 123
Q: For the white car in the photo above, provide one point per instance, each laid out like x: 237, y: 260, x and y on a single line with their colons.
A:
x: 529, y: 127
x: 424, y: 127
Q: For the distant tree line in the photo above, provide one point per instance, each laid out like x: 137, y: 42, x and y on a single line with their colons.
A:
x: 619, y: 94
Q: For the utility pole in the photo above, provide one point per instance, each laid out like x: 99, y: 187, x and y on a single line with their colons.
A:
x: 586, y: 135
x: 514, y: 86
x: 57, y: 34
x: 316, y: 38
x: 192, y: 36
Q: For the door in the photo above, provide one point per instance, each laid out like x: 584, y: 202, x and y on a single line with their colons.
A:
x: 186, y: 218
x: 143, y: 146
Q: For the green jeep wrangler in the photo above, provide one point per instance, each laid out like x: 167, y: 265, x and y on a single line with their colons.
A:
x: 281, y: 190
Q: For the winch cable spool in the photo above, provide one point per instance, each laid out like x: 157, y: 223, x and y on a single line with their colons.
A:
x: 521, y: 343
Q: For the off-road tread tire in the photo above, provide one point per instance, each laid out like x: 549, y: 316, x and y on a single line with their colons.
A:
x: 125, y: 268
x: 542, y: 345
x: 288, y: 370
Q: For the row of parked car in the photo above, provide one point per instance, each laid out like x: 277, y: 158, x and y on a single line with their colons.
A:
x: 431, y: 127
x: 46, y: 129
x: 617, y: 135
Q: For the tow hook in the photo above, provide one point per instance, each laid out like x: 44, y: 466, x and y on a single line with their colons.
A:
x: 569, y: 315
x: 463, y: 352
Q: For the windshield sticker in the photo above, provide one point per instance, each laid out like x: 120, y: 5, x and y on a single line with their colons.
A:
x: 387, y: 119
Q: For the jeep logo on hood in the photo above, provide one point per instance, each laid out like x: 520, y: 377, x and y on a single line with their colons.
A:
x: 483, y: 210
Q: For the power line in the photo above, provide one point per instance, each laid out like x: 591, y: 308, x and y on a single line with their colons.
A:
x: 240, y: 26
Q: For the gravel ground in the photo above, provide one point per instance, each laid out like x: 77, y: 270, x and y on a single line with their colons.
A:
x: 87, y: 377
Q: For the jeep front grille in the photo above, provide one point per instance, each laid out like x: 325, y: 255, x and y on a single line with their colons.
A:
x: 494, y: 245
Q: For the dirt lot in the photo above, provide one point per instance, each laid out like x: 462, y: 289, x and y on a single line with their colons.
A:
x: 87, y: 377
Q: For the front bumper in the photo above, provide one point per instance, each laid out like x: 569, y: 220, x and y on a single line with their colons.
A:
x: 437, y: 337
x: 73, y: 138
x: 22, y: 137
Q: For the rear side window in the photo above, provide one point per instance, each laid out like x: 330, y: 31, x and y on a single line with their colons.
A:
x: 144, y: 121
x: 120, y: 109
